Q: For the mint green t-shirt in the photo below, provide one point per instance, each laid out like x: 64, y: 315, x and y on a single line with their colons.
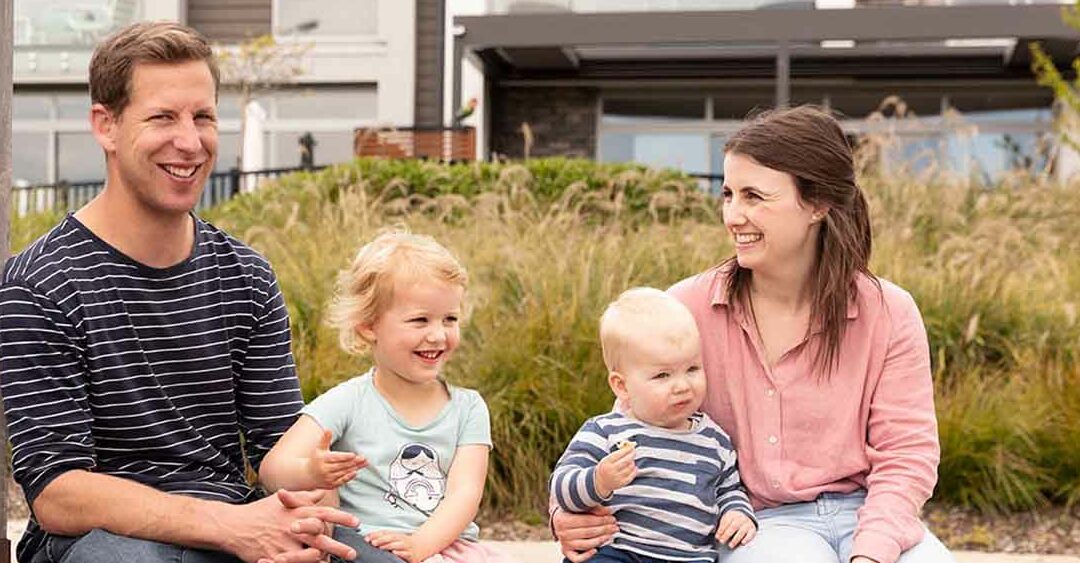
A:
x: 407, y: 466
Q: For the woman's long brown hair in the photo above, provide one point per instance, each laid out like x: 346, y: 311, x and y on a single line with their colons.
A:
x: 809, y: 144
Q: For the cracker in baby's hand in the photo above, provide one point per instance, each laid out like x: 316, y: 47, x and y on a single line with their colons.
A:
x: 623, y: 444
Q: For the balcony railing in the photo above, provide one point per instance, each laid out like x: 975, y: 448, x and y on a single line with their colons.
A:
x: 443, y: 144
x: 69, y: 196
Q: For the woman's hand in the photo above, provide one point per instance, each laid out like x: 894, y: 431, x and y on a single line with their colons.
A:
x: 580, y: 534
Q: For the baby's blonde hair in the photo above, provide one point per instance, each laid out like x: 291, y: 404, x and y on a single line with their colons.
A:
x: 638, y: 308
x: 365, y: 289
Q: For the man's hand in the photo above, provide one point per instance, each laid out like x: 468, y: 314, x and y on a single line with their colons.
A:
x: 580, y: 534
x: 333, y: 469
x: 616, y: 470
x: 402, y: 545
x: 285, y: 528
x: 736, y: 528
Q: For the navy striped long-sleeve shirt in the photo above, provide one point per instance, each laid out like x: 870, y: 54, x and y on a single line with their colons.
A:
x: 685, y: 481
x: 153, y: 375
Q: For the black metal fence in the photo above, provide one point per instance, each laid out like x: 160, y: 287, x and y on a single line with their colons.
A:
x: 69, y: 196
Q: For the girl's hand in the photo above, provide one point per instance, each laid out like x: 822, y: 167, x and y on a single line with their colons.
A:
x: 735, y: 529
x: 333, y: 469
x: 401, y: 545
x: 616, y: 470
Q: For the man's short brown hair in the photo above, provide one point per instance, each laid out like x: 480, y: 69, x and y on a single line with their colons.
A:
x: 114, y: 60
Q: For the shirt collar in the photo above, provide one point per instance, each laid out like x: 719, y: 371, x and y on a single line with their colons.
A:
x: 720, y: 294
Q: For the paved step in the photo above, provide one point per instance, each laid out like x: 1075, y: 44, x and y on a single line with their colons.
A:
x: 548, y: 552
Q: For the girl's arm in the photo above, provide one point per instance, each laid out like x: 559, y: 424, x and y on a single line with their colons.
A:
x: 302, y: 460
x: 464, y: 489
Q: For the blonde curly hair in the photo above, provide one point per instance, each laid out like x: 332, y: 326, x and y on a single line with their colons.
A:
x: 365, y: 288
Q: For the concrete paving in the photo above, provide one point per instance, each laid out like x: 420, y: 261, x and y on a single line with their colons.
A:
x: 548, y: 552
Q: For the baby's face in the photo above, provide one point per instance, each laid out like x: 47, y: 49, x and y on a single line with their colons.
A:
x: 663, y: 378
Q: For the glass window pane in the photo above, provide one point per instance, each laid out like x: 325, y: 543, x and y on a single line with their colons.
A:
x: 29, y: 158
x: 30, y: 106
x: 616, y: 147
x: 73, y: 105
x: 320, y: 103
x: 79, y: 158
x: 633, y: 110
x: 687, y: 152
x: 334, y: 17
x: 228, y: 151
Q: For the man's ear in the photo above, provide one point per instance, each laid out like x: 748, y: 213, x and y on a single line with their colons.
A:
x: 103, y: 125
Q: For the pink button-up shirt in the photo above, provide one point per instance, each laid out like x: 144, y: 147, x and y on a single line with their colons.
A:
x: 871, y: 425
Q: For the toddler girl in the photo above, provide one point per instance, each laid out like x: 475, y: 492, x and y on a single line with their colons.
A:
x: 406, y: 451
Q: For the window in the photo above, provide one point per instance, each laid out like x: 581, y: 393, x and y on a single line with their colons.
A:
x: 29, y: 158
x: 73, y: 105
x: 31, y: 106
x: 688, y: 152
x: 70, y: 22
x: 335, y: 18
x: 79, y: 158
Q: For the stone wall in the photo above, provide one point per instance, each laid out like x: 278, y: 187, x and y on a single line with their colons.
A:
x: 563, y: 121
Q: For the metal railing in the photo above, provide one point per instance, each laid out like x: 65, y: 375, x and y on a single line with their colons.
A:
x: 70, y: 196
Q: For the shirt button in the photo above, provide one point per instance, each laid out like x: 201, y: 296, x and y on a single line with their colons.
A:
x: 773, y: 439
x: 770, y: 392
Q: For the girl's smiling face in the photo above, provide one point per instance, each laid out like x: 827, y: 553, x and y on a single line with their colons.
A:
x: 415, y: 336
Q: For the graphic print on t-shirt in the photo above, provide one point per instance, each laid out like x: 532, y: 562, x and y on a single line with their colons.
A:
x: 416, y: 479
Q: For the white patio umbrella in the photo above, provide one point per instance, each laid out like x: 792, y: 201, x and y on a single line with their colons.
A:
x: 254, y: 157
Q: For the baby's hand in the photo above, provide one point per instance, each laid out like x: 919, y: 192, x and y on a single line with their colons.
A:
x: 736, y: 528
x: 401, y: 545
x: 616, y: 470
x: 333, y: 469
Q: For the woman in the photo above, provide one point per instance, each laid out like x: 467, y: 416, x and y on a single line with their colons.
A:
x: 819, y: 371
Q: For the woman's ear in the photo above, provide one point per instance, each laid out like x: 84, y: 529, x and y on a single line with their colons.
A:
x: 818, y: 214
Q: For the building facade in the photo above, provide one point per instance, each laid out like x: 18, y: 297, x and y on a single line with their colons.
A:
x: 664, y: 82
x: 367, y: 63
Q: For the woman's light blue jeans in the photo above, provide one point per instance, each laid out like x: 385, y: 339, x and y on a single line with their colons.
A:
x: 820, y: 531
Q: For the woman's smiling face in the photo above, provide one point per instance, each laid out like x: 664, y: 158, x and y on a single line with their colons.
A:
x: 769, y: 222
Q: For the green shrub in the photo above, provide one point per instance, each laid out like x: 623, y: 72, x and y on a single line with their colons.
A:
x: 549, y: 242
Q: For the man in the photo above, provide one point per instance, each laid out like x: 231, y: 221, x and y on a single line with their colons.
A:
x: 144, y: 353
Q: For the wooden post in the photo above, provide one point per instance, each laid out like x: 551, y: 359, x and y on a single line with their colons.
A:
x: 7, y: 76
x: 783, y: 74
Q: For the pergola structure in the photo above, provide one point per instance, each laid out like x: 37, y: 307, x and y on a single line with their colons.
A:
x: 776, y: 44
